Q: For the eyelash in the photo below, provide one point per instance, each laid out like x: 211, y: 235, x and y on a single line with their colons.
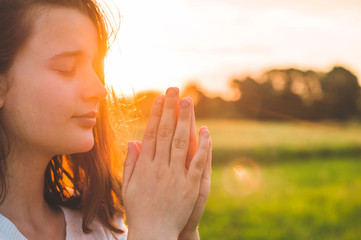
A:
x: 67, y: 73
x: 71, y: 72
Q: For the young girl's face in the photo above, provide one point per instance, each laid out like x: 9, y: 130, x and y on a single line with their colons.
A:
x: 53, y: 83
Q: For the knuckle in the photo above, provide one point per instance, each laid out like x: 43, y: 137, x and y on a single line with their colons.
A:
x: 206, y: 181
x: 127, y: 162
x: 179, y: 143
x: 199, y: 165
x: 165, y: 132
x: 150, y: 135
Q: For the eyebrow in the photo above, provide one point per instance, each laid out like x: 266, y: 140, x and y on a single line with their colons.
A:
x: 76, y: 53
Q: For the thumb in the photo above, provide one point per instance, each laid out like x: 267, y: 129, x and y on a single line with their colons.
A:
x: 129, y: 163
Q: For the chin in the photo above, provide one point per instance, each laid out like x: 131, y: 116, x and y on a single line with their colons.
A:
x: 85, y: 148
x: 86, y: 145
x: 80, y: 145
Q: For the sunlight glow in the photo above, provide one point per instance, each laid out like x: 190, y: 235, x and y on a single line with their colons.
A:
x: 140, y: 58
x: 164, y: 43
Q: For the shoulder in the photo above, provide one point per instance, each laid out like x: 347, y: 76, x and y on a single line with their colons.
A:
x: 74, y: 230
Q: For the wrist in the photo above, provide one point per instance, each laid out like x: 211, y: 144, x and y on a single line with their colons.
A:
x: 189, y: 235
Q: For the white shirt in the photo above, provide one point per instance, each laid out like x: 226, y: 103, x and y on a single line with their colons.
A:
x: 73, y: 220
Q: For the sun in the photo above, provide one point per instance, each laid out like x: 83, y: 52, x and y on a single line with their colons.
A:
x: 140, y: 58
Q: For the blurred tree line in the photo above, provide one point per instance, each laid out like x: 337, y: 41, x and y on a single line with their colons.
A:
x: 280, y: 94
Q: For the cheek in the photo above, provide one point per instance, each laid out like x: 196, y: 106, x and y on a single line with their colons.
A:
x: 50, y: 104
x: 41, y: 105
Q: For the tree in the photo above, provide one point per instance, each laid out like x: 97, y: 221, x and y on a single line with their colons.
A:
x: 340, y: 94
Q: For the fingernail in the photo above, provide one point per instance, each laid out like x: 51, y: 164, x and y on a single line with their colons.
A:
x: 172, y: 92
x: 184, y: 103
x: 203, y: 128
x: 205, y: 133
x: 130, y: 147
x: 190, y: 100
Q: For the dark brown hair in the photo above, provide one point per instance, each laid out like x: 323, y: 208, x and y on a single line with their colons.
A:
x: 90, y: 181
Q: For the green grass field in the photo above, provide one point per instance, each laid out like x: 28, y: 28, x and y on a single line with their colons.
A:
x: 303, y: 182
x: 315, y: 199
x: 271, y: 142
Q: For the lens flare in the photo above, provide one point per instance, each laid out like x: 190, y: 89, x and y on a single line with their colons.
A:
x: 240, y: 171
x: 242, y: 177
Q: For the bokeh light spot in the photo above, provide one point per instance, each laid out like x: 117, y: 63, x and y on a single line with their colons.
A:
x: 242, y: 177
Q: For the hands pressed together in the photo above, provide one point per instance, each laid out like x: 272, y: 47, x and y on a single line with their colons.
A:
x: 166, y: 179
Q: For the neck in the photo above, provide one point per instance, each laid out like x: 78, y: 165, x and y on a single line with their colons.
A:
x: 24, y: 200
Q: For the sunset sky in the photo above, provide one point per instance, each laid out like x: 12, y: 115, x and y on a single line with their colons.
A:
x: 165, y: 43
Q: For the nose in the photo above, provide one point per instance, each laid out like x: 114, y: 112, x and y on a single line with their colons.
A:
x: 93, y: 88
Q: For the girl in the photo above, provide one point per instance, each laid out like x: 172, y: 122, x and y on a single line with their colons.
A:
x: 58, y: 175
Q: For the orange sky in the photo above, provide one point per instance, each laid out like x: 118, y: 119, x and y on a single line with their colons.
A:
x: 165, y: 43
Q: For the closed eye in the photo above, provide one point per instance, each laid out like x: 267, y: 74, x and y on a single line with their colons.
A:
x: 68, y: 72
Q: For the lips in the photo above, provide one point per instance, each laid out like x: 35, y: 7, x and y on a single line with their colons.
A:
x: 92, y: 114
x: 86, y: 120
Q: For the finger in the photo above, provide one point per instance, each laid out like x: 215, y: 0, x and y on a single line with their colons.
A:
x: 150, y: 134
x: 197, y: 165
x: 139, y: 145
x: 206, y: 176
x: 192, y: 138
x: 181, y: 136
x: 129, y: 164
x: 167, y: 125
x: 203, y: 194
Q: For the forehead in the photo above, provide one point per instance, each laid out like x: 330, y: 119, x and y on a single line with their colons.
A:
x: 62, y: 29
